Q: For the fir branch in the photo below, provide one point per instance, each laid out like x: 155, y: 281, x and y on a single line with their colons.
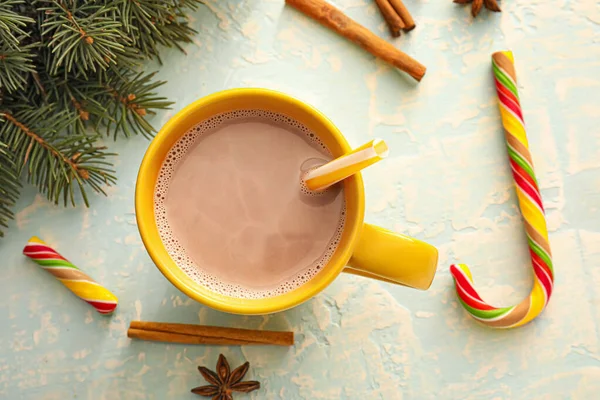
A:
x: 139, y: 21
x: 79, y: 97
x: 130, y: 97
x: 183, y: 6
x: 12, y: 23
x: 83, y: 35
x: 15, y: 65
x: 68, y: 67
x: 174, y: 31
x: 55, y: 163
x: 153, y: 23
x: 9, y: 186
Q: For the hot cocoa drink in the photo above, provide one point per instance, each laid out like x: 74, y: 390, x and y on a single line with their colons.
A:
x: 231, y: 209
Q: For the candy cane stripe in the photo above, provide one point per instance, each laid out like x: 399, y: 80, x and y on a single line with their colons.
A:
x: 532, y: 208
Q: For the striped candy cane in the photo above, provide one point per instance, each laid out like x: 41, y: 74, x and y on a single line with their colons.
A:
x: 72, y: 277
x: 530, y: 203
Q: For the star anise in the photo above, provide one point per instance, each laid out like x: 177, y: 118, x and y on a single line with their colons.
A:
x: 224, y: 382
x: 491, y: 5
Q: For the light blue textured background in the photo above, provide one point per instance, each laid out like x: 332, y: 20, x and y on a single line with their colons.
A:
x: 446, y: 181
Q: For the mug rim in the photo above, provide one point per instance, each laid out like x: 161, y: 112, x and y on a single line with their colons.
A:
x: 146, y: 222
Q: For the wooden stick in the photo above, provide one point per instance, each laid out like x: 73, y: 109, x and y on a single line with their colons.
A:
x: 334, y: 19
x: 199, y: 334
x: 402, y: 11
x: 390, y: 15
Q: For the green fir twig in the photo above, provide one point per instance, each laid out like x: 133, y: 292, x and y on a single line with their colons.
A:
x: 70, y: 74
x: 9, y: 186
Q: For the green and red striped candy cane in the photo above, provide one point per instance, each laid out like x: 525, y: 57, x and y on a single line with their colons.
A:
x: 530, y: 203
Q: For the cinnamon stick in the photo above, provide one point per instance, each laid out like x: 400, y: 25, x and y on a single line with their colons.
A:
x: 200, y: 334
x: 157, y: 336
x: 390, y: 15
x: 402, y: 11
x: 334, y: 19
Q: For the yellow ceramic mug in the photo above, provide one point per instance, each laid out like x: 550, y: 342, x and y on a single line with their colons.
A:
x: 364, y: 249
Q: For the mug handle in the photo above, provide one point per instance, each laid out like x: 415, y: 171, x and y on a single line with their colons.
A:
x: 391, y: 257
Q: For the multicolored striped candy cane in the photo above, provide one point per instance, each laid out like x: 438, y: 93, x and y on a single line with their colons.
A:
x: 530, y: 203
x: 72, y: 277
